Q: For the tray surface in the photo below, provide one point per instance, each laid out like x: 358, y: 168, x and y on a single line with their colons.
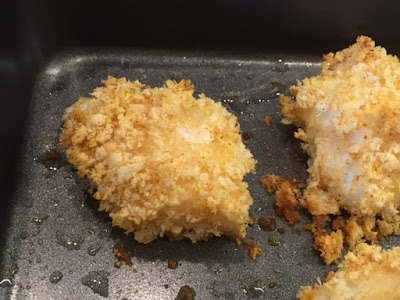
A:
x: 58, y: 244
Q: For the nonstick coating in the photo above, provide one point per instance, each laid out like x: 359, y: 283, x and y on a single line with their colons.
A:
x: 55, y: 227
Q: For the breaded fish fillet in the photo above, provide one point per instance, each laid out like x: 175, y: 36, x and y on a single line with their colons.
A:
x: 349, y: 119
x: 163, y: 162
x: 368, y: 273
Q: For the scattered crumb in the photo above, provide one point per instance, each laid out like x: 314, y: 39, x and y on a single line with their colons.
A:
x: 186, y: 293
x: 367, y: 273
x: 255, y: 249
x: 247, y: 135
x: 287, y: 194
x: 330, y: 245
x: 122, y: 255
x: 172, y: 264
x: 276, y: 84
x: 286, y: 199
x: 271, y: 183
x: 268, y: 121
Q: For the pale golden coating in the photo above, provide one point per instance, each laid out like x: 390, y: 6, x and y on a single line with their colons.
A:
x: 368, y: 273
x: 163, y: 162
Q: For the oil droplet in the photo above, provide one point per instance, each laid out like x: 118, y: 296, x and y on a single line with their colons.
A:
x: 93, y: 249
x: 273, y: 284
x: 51, y: 159
x: 56, y: 277
x: 97, y: 281
x: 39, y: 220
x: 5, y: 283
x: 254, y: 289
x: 267, y: 224
x: 71, y: 241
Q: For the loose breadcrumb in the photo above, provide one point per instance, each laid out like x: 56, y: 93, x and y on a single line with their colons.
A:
x: 163, y: 162
x: 330, y: 245
x: 348, y: 119
x: 172, y: 264
x: 287, y: 194
x: 268, y: 121
x: 255, y: 249
x: 122, y: 255
x: 368, y: 273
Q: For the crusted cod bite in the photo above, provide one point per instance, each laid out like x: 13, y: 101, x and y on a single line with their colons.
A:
x: 367, y: 273
x: 349, y: 123
x: 163, y: 163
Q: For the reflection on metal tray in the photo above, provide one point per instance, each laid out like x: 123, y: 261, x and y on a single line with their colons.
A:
x: 60, y: 247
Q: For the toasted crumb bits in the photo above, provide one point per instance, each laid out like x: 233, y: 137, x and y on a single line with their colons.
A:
x: 122, y: 255
x: 172, y: 264
x: 186, y: 293
x: 255, y: 249
x: 330, y: 245
x: 273, y: 241
x: 247, y: 135
x: 286, y: 197
x: 271, y: 183
x: 268, y: 121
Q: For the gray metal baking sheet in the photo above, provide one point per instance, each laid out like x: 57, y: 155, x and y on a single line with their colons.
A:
x: 57, y: 242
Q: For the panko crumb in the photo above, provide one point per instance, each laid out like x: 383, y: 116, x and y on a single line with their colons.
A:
x: 254, y: 249
x: 367, y: 273
x: 330, y: 245
x: 163, y: 162
x: 287, y: 193
x: 122, y: 255
x: 268, y: 121
x: 348, y: 119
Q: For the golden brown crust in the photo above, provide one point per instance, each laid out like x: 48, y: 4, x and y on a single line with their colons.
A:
x: 368, y: 273
x: 349, y: 118
x: 164, y: 163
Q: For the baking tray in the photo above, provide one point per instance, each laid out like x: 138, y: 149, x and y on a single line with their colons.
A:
x: 56, y: 231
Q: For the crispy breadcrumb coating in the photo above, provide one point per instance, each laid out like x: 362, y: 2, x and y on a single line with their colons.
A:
x: 349, y: 123
x: 349, y: 119
x: 163, y: 162
x: 368, y: 273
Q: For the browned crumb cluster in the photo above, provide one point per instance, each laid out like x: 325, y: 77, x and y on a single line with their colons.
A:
x: 268, y: 121
x: 248, y: 135
x: 172, y: 264
x: 330, y: 245
x: 287, y: 193
x: 123, y: 256
x: 255, y: 249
